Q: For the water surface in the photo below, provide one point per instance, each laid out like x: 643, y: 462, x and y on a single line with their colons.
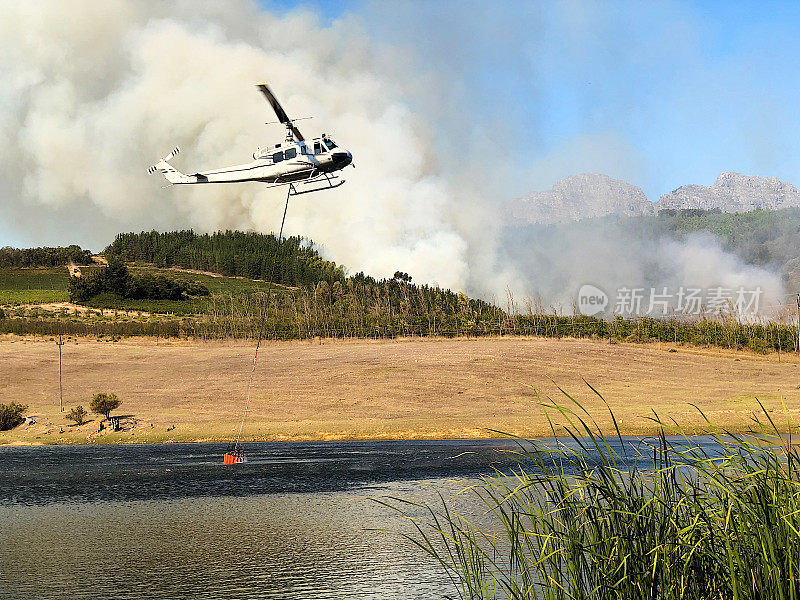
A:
x: 171, y: 521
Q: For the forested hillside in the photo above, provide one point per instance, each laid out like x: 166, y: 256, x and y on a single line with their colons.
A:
x: 44, y: 257
x: 769, y: 238
x: 322, y: 301
x: 762, y: 237
x: 293, y: 262
x: 327, y: 298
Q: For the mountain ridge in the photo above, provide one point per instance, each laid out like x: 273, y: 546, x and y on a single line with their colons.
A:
x: 592, y: 195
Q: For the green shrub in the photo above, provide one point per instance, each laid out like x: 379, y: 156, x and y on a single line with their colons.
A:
x: 116, y: 281
x: 103, y: 404
x: 11, y: 415
x: 77, y: 415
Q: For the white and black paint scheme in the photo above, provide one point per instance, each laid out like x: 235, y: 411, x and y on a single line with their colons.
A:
x: 308, y: 165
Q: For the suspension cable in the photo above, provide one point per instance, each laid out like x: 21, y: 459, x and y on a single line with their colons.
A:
x: 264, y: 317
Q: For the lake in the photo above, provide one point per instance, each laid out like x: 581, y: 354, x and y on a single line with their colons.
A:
x: 171, y: 521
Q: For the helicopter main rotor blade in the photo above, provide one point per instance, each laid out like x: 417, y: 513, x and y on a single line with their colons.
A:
x: 297, y: 135
x: 279, y: 112
x: 276, y: 106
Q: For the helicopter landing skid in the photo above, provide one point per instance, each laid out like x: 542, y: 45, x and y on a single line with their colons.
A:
x: 328, y: 183
x: 320, y: 183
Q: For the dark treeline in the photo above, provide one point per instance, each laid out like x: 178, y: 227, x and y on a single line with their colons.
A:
x: 357, y: 307
x: 361, y: 307
x: 326, y: 303
x: 390, y: 309
x: 306, y: 315
x: 293, y: 262
x: 117, y: 280
x: 44, y: 257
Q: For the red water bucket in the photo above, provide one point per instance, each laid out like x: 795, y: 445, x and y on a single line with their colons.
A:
x: 230, y: 458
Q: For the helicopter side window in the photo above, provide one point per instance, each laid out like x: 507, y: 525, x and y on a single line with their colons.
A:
x: 277, y: 157
x: 330, y: 144
x: 317, y: 148
x: 290, y: 153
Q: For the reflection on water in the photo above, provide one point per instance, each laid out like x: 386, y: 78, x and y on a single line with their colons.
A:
x: 264, y: 546
x: 171, y: 521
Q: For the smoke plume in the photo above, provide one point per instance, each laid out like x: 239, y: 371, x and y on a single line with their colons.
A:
x: 94, y: 93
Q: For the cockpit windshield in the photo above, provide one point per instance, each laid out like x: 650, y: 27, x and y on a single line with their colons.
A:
x: 330, y: 144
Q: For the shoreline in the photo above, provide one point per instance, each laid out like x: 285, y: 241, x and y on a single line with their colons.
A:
x: 639, y: 434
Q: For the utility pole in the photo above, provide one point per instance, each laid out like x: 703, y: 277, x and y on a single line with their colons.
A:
x: 60, y: 343
x: 798, y: 322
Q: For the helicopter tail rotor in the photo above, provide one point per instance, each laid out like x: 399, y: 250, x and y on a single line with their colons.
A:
x: 170, y: 172
x: 172, y: 154
x: 166, y: 159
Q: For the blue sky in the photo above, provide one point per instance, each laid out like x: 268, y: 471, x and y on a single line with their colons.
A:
x: 661, y: 94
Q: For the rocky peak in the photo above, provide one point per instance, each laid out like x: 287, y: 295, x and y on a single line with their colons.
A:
x: 581, y: 197
x: 734, y: 192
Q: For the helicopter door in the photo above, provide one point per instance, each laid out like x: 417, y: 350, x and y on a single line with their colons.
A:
x: 317, y: 148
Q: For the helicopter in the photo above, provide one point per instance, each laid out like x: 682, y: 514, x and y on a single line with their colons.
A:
x: 305, y: 166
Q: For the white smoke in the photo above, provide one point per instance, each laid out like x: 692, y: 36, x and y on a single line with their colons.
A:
x: 609, y: 254
x: 93, y: 93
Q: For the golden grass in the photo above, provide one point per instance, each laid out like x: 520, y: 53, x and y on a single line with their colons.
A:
x: 364, y: 389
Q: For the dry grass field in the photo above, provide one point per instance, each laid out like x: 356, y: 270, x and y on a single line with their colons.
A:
x: 364, y: 389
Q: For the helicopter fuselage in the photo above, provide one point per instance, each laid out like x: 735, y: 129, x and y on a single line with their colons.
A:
x: 282, y: 163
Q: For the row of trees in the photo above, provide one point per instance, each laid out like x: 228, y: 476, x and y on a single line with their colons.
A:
x: 360, y: 306
x: 312, y: 313
x: 116, y: 279
x: 390, y: 308
x: 294, y: 261
x: 44, y: 257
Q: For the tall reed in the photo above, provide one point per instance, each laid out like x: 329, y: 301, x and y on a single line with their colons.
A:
x: 599, y: 517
